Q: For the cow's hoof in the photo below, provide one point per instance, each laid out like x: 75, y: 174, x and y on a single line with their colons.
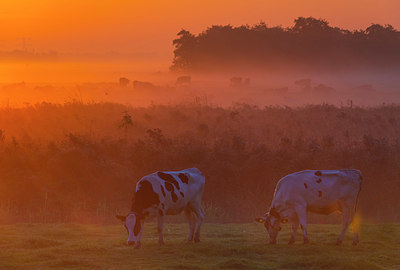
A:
x: 272, y: 242
x: 196, y: 240
x: 355, y: 243
x: 137, y: 246
x: 291, y: 242
x: 306, y: 241
x: 338, y: 242
x: 161, y: 243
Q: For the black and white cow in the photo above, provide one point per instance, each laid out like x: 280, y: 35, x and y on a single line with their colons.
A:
x: 322, y: 192
x: 166, y: 193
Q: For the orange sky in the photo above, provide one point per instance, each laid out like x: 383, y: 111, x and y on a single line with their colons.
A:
x: 149, y: 26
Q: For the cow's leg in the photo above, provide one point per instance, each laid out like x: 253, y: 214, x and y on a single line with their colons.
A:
x: 354, y: 226
x: 160, y: 227
x: 302, y: 216
x: 192, y: 222
x: 346, y: 220
x: 198, y: 210
x: 295, y: 225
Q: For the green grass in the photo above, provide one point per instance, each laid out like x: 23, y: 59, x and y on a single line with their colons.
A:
x: 223, y: 246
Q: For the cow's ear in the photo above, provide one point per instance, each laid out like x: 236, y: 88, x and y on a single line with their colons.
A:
x: 122, y: 218
x: 259, y: 220
x: 284, y: 220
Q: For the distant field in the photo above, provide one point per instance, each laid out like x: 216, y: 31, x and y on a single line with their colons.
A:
x: 230, y: 246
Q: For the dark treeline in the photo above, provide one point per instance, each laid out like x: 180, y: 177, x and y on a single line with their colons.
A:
x: 80, y: 163
x: 310, y: 43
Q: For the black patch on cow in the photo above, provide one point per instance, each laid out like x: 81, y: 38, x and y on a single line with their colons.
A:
x: 169, y: 178
x: 144, y: 197
x: 162, y: 206
x: 160, y: 212
x: 183, y: 178
x: 305, y: 185
x: 318, y: 173
x: 163, y: 191
x: 319, y: 180
x: 173, y: 196
x: 169, y: 186
x: 326, y: 210
x: 183, y: 195
x: 274, y: 213
x: 138, y: 225
x: 166, y: 176
x: 319, y: 193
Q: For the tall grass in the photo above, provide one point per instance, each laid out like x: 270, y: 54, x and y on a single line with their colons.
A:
x: 79, y: 162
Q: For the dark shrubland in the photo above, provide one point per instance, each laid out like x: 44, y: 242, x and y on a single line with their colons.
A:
x: 80, y: 162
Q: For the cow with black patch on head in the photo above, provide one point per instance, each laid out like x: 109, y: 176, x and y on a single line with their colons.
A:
x: 321, y: 192
x: 166, y: 193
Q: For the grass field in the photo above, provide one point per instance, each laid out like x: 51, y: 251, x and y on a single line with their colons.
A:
x: 223, y: 246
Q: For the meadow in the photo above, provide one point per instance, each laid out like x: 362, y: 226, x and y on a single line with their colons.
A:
x: 223, y: 246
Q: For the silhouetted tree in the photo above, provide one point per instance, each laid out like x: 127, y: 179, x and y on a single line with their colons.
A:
x: 185, y: 45
x: 311, y: 43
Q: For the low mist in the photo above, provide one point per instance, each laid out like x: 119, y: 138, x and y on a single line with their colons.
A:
x: 144, y: 88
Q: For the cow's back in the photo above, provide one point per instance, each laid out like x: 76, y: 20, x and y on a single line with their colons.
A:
x: 318, y: 187
x: 175, y: 189
x: 192, y: 183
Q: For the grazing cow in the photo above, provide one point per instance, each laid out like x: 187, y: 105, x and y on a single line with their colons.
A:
x: 236, y: 82
x: 123, y: 82
x: 183, y: 81
x: 322, y: 192
x: 239, y: 82
x: 138, y: 85
x: 166, y: 193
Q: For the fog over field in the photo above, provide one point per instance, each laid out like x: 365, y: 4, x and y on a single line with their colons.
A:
x: 101, y: 84
x: 309, y: 62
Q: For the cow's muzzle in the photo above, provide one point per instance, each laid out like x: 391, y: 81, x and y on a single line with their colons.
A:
x: 267, y: 224
x: 276, y: 228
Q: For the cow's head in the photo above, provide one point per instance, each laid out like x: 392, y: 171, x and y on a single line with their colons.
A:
x: 134, y: 226
x: 272, y: 222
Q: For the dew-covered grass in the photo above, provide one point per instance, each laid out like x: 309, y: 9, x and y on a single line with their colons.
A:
x: 223, y: 246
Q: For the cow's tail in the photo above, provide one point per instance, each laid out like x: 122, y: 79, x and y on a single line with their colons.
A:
x: 360, y: 179
x: 357, y: 217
